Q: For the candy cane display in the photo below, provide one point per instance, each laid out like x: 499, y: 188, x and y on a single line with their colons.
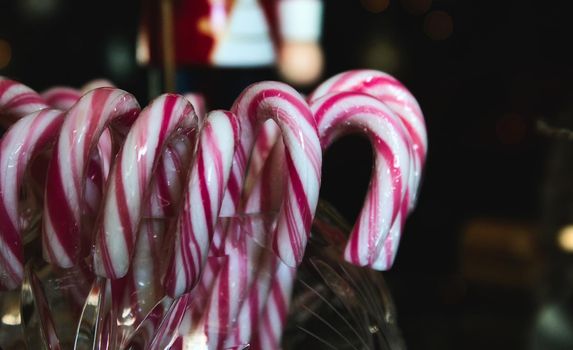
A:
x: 340, y: 113
x: 65, y: 239
x: 16, y: 101
x: 166, y: 118
x: 21, y: 143
x: 397, y: 97
x: 207, y: 213
x: 202, y: 201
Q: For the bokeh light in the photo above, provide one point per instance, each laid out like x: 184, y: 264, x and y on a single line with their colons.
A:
x: 301, y: 63
x: 5, y: 53
x: 120, y: 58
x: 38, y: 9
x: 565, y: 238
x: 416, y: 7
x: 375, y: 6
x: 438, y: 25
x: 382, y: 54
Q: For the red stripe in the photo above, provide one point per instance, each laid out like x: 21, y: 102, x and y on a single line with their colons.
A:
x: 299, y: 192
x: 5, y: 84
x: 255, y: 104
x: 341, y: 80
x: 279, y: 299
x: 98, y: 102
x: 395, y: 172
x: 204, y: 190
x: 67, y: 230
x: 381, y: 80
x: 224, y: 298
x: 168, y: 106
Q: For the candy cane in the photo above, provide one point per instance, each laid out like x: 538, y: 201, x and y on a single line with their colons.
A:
x: 397, y: 97
x: 61, y: 97
x: 142, y: 287
x: 23, y: 141
x: 340, y: 113
x: 202, y: 201
x: 168, y: 117
x: 257, y: 104
x: 64, y: 98
x: 273, y: 318
x: 263, y: 314
x: 140, y: 290
x: 64, y: 198
x: 16, y: 101
x: 279, y: 102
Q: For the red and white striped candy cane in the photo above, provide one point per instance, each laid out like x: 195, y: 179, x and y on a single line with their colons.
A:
x: 16, y: 101
x: 61, y: 97
x: 21, y: 143
x: 346, y: 112
x: 65, y: 238
x: 273, y: 317
x: 263, y: 314
x: 165, y: 119
x: 142, y: 287
x: 281, y: 103
x: 257, y: 104
x: 397, y: 97
x: 228, y: 291
x: 202, y: 201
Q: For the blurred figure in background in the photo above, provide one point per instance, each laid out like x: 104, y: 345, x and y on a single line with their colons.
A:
x: 221, y: 46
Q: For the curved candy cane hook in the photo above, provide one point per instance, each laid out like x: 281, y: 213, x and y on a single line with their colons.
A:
x: 397, y: 97
x: 22, y: 142
x: 281, y: 103
x: 202, y: 201
x: 165, y: 119
x: 64, y: 204
x: 16, y: 101
x: 346, y: 112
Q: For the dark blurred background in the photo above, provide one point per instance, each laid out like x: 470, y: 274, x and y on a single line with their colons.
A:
x: 484, y: 262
